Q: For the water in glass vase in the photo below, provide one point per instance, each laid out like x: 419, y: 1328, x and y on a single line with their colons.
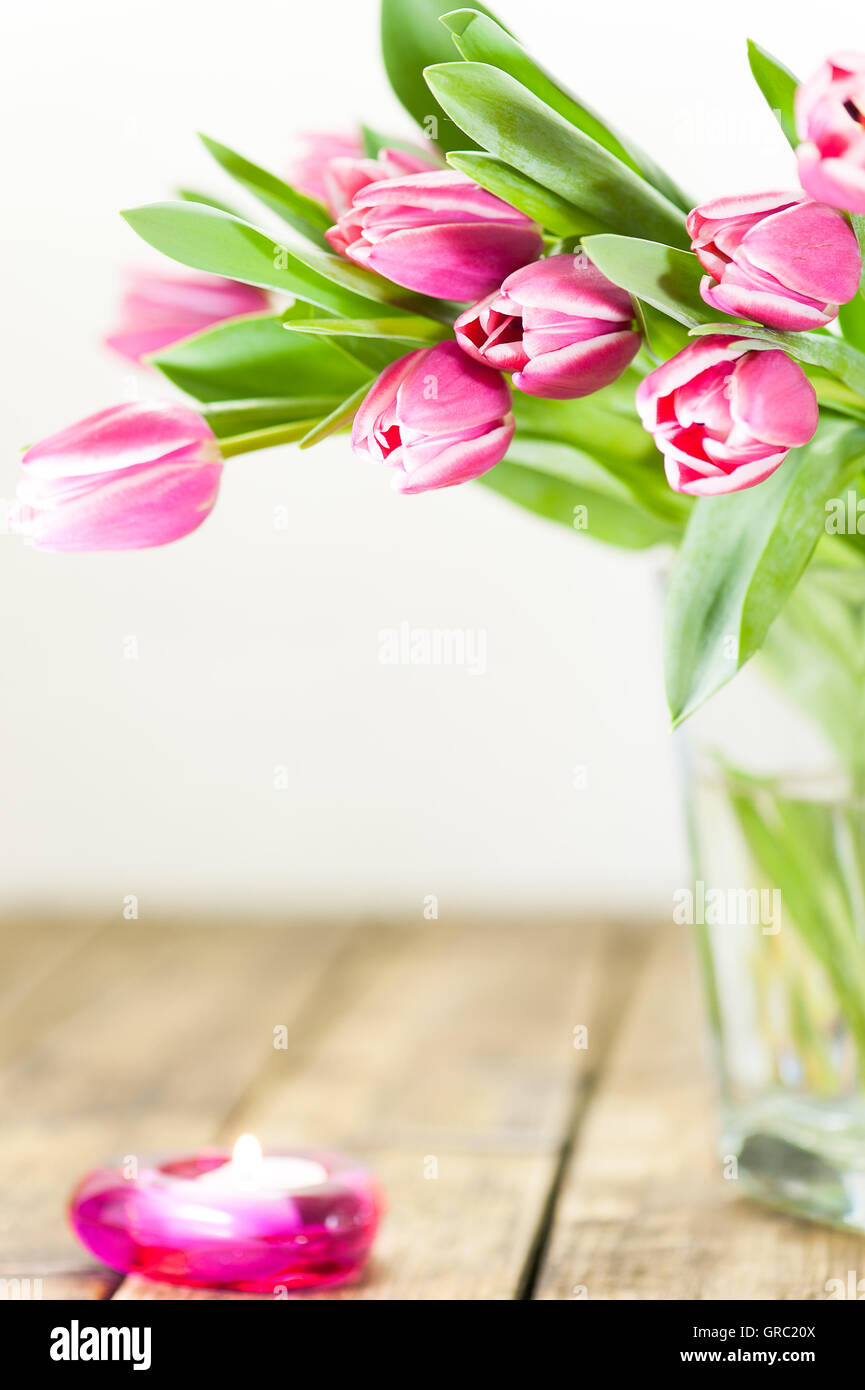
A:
x: 777, y: 823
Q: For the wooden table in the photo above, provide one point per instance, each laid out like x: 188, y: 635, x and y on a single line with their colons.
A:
x: 517, y: 1164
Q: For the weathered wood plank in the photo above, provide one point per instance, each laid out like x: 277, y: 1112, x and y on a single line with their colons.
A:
x: 444, y: 1055
x: 462, y: 1235
x: 645, y: 1212
x: 141, y: 1042
x: 32, y: 950
x: 460, y: 1036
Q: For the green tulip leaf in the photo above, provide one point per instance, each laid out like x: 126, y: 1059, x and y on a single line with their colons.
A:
x: 339, y: 418
x: 408, y: 331
x: 611, y: 436
x: 551, y: 211
x: 852, y: 315
x: 480, y: 39
x: 510, y: 122
x: 189, y: 195
x: 818, y: 349
x: 741, y: 558
x: 266, y: 438
x: 663, y: 276
x: 411, y: 39
x: 215, y: 241
x: 374, y: 142
x: 304, y: 214
x: 778, y: 86
x: 638, y: 482
x: 562, y: 484
x: 253, y: 358
x: 229, y: 419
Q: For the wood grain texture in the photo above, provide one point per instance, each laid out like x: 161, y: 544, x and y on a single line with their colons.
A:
x: 443, y: 1055
x: 140, y: 1041
x: 462, y: 1235
x: 645, y: 1212
x: 33, y: 950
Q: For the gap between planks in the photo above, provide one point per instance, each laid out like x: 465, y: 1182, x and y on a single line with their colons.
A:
x: 450, y: 1043
x: 645, y: 1211
x: 449, y: 1066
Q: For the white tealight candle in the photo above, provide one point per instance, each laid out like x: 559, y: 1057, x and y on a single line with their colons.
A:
x: 271, y: 1175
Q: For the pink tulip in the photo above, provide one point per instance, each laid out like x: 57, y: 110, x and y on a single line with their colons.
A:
x: 132, y: 476
x: 725, y: 414
x: 778, y: 258
x: 160, y: 309
x: 307, y: 172
x: 336, y: 168
x: 830, y: 119
x: 560, y: 325
x: 437, y: 417
x: 438, y: 233
x: 344, y: 177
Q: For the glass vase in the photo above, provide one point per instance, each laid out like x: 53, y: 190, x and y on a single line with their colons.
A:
x: 776, y: 814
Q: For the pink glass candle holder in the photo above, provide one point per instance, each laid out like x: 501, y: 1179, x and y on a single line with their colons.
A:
x: 258, y: 1223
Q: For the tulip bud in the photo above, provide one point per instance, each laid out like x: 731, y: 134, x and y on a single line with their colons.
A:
x: 725, y: 414
x: 160, y: 309
x: 342, y: 178
x: 130, y: 477
x: 777, y: 258
x: 560, y: 325
x: 307, y: 172
x: 437, y: 417
x: 437, y: 233
x: 830, y: 119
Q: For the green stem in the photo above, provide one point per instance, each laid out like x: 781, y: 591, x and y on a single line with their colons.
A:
x: 266, y: 439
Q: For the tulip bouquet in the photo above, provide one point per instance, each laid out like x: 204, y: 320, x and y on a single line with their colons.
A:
x: 521, y: 296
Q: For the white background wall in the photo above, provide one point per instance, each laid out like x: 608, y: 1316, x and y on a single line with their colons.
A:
x: 258, y: 648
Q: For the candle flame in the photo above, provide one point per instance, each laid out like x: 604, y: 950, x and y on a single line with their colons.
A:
x: 246, y: 1157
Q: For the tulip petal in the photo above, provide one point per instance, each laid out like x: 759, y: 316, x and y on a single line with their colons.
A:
x: 580, y: 368
x: 134, y: 509
x: 717, y: 229
x: 458, y: 462
x: 343, y: 178
x: 447, y: 389
x: 773, y: 398
x: 683, y: 479
x: 205, y: 298
x: 307, y: 172
x: 121, y: 437
x: 550, y: 337
x: 144, y: 342
x: 829, y: 119
x: 771, y: 310
x: 810, y: 249
x: 569, y: 285
x: 438, y: 233
x: 437, y: 417
x: 460, y: 261
x: 489, y: 334
x: 833, y: 181
x: 697, y: 357
x: 746, y: 205
x: 440, y: 191
x: 704, y: 400
x: 380, y: 399
x: 161, y: 309
x: 725, y: 418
